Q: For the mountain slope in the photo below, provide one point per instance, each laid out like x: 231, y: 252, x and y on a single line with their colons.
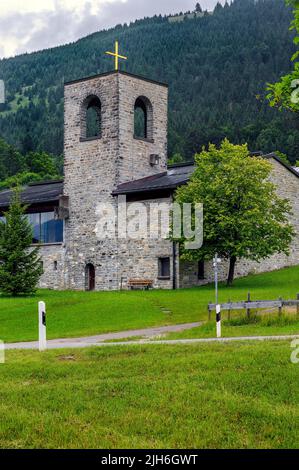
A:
x: 216, y: 66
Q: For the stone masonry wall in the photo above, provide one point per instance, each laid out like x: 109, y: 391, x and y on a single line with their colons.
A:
x: 138, y: 259
x: 53, y: 265
x: 134, y: 153
x: 89, y: 168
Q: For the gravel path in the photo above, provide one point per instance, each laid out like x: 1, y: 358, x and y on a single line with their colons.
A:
x: 150, y: 332
x: 95, y: 340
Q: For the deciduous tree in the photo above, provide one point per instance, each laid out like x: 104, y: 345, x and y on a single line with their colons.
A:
x: 243, y: 215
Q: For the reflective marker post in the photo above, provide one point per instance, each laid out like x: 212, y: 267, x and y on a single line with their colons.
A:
x: 218, y: 321
x: 218, y: 308
x: 42, y: 337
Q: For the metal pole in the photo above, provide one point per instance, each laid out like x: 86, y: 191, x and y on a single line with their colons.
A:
x: 248, y: 310
x: 42, y: 337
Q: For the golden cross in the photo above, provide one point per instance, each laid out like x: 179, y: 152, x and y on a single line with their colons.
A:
x: 116, y: 55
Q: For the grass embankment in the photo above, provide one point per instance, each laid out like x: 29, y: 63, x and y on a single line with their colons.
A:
x: 256, y: 325
x: 211, y: 396
x: 73, y: 314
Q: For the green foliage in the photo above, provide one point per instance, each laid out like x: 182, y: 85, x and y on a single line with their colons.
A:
x: 19, y: 179
x: 41, y: 163
x: 20, y: 267
x: 282, y: 156
x: 176, y: 158
x: 217, y: 66
x: 16, y: 168
x: 285, y: 93
x: 11, y: 161
x: 243, y: 215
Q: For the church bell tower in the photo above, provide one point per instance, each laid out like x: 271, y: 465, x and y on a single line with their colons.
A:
x: 115, y: 131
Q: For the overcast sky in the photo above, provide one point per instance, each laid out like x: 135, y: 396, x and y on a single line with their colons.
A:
x: 30, y: 25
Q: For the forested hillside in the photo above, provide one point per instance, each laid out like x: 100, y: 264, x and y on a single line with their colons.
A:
x: 217, y: 68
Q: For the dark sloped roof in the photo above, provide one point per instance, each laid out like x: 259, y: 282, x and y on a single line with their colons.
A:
x: 114, y: 72
x: 279, y: 160
x: 171, y: 179
x: 35, y: 193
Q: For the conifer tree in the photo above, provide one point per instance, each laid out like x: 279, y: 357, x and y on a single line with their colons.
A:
x: 20, y: 264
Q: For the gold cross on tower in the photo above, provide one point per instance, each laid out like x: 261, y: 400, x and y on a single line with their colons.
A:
x: 116, y: 55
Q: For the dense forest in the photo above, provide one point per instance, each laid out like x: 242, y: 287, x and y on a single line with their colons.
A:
x: 217, y: 67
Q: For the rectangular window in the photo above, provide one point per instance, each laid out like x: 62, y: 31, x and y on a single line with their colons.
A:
x: 164, y: 268
x: 51, y: 229
x: 34, y: 220
x: 201, y: 270
x: 46, y: 229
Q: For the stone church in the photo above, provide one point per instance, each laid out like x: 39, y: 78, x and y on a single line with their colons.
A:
x: 115, y: 144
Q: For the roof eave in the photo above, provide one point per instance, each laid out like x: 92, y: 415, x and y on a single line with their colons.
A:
x: 279, y: 160
x: 148, y: 190
x: 115, y: 72
x: 32, y: 202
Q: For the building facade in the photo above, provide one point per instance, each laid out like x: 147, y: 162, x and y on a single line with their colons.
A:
x: 115, y: 146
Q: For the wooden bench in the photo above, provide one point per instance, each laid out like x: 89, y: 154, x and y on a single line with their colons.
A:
x: 140, y: 284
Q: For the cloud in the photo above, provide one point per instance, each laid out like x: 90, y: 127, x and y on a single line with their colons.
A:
x: 62, y: 21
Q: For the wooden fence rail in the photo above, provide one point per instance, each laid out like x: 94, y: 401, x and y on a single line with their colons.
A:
x: 254, y: 305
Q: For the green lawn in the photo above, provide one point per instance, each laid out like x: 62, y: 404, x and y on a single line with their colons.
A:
x: 257, y: 325
x: 204, y: 396
x: 88, y: 313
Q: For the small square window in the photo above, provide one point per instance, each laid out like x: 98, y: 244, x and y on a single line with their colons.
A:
x: 201, y: 270
x: 164, y: 268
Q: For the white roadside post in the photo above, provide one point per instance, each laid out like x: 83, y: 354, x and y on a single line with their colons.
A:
x: 218, y: 308
x: 218, y: 321
x: 42, y: 337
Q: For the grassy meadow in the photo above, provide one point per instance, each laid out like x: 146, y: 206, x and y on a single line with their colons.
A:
x: 224, y: 395
x: 233, y: 395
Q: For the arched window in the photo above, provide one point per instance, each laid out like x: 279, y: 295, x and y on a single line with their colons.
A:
x: 91, y: 118
x: 143, y: 118
x: 90, y: 277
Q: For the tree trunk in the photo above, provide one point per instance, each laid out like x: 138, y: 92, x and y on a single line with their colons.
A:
x: 231, y: 271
